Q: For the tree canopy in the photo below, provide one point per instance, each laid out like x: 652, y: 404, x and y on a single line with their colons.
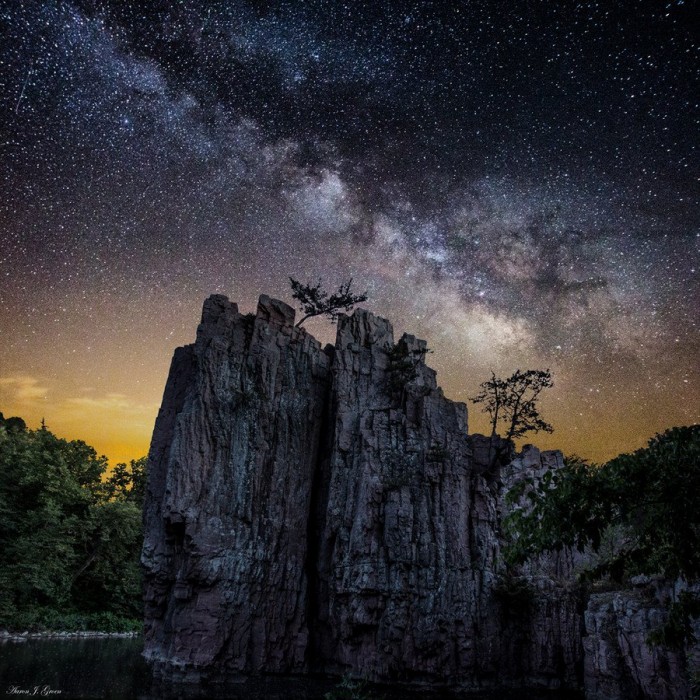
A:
x: 649, y: 500
x: 69, y: 542
x: 315, y: 301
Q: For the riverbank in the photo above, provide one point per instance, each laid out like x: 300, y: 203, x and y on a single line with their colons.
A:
x: 7, y: 636
x: 47, y: 620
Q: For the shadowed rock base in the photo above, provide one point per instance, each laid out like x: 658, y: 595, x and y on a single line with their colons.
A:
x: 620, y: 664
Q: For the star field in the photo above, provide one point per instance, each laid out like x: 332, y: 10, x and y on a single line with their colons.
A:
x: 515, y: 183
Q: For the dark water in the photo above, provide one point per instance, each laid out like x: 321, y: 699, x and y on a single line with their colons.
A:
x: 113, y: 668
x: 79, y: 668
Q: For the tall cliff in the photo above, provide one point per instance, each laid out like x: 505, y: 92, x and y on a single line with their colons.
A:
x: 232, y: 466
x: 405, y: 531
x: 323, y: 510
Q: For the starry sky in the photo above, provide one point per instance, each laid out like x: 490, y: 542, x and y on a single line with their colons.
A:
x: 517, y: 183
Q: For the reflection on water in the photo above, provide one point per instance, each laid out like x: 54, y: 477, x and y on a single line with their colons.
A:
x: 114, y: 669
x: 79, y: 668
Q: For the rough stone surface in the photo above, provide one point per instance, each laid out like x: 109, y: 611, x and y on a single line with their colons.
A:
x: 231, y: 466
x: 543, y: 637
x: 619, y: 663
x: 324, y: 510
x: 407, y: 548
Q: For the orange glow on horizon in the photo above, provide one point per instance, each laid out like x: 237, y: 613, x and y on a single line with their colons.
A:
x: 114, y: 411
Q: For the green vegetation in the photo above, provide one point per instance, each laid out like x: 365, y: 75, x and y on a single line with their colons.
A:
x: 403, y: 366
x: 514, y: 592
x: 640, y: 513
x: 69, y: 542
x: 437, y: 453
x: 350, y: 689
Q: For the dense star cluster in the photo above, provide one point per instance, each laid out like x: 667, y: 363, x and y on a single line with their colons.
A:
x: 517, y: 183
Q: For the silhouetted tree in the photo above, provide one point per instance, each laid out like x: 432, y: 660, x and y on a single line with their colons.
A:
x: 14, y: 425
x: 128, y: 482
x: 512, y: 403
x: 315, y: 301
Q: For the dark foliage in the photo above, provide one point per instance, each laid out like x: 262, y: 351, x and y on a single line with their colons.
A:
x: 127, y: 483
x: 350, y: 689
x: 315, y: 301
x: 650, y: 499
x: 69, y: 541
x: 512, y: 402
x: 403, y: 366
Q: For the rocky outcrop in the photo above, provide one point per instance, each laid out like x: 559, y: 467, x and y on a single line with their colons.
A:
x: 232, y: 463
x: 620, y: 664
x: 324, y: 510
x: 407, y: 549
x: 543, y: 620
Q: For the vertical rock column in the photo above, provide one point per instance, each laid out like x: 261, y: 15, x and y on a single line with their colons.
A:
x: 230, y: 475
x: 407, y: 541
x: 541, y: 638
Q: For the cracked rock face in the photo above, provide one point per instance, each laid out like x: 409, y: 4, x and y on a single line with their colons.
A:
x: 316, y: 509
x: 406, y: 531
x: 232, y: 463
x: 323, y: 510
x: 544, y: 639
x: 619, y: 663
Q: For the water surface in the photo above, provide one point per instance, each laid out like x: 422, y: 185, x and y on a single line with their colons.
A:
x: 114, y: 669
x: 78, y: 668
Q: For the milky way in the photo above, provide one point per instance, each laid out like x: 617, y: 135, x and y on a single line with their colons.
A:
x: 520, y: 189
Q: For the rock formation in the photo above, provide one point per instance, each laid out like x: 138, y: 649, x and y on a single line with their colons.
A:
x: 406, y: 547
x: 232, y: 466
x: 620, y: 664
x: 547, y: 628
x: 324, y: 510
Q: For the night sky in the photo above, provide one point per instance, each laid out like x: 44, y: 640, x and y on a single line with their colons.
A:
x: 516, y: 182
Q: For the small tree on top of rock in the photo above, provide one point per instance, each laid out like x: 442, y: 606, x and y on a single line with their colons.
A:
x: 315, y: 301
x: 513, y: 402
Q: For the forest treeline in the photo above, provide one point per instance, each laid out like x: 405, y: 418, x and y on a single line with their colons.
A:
x: 70, y: 534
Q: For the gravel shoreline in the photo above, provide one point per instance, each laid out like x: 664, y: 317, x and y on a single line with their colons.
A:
x: 6, y: 636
